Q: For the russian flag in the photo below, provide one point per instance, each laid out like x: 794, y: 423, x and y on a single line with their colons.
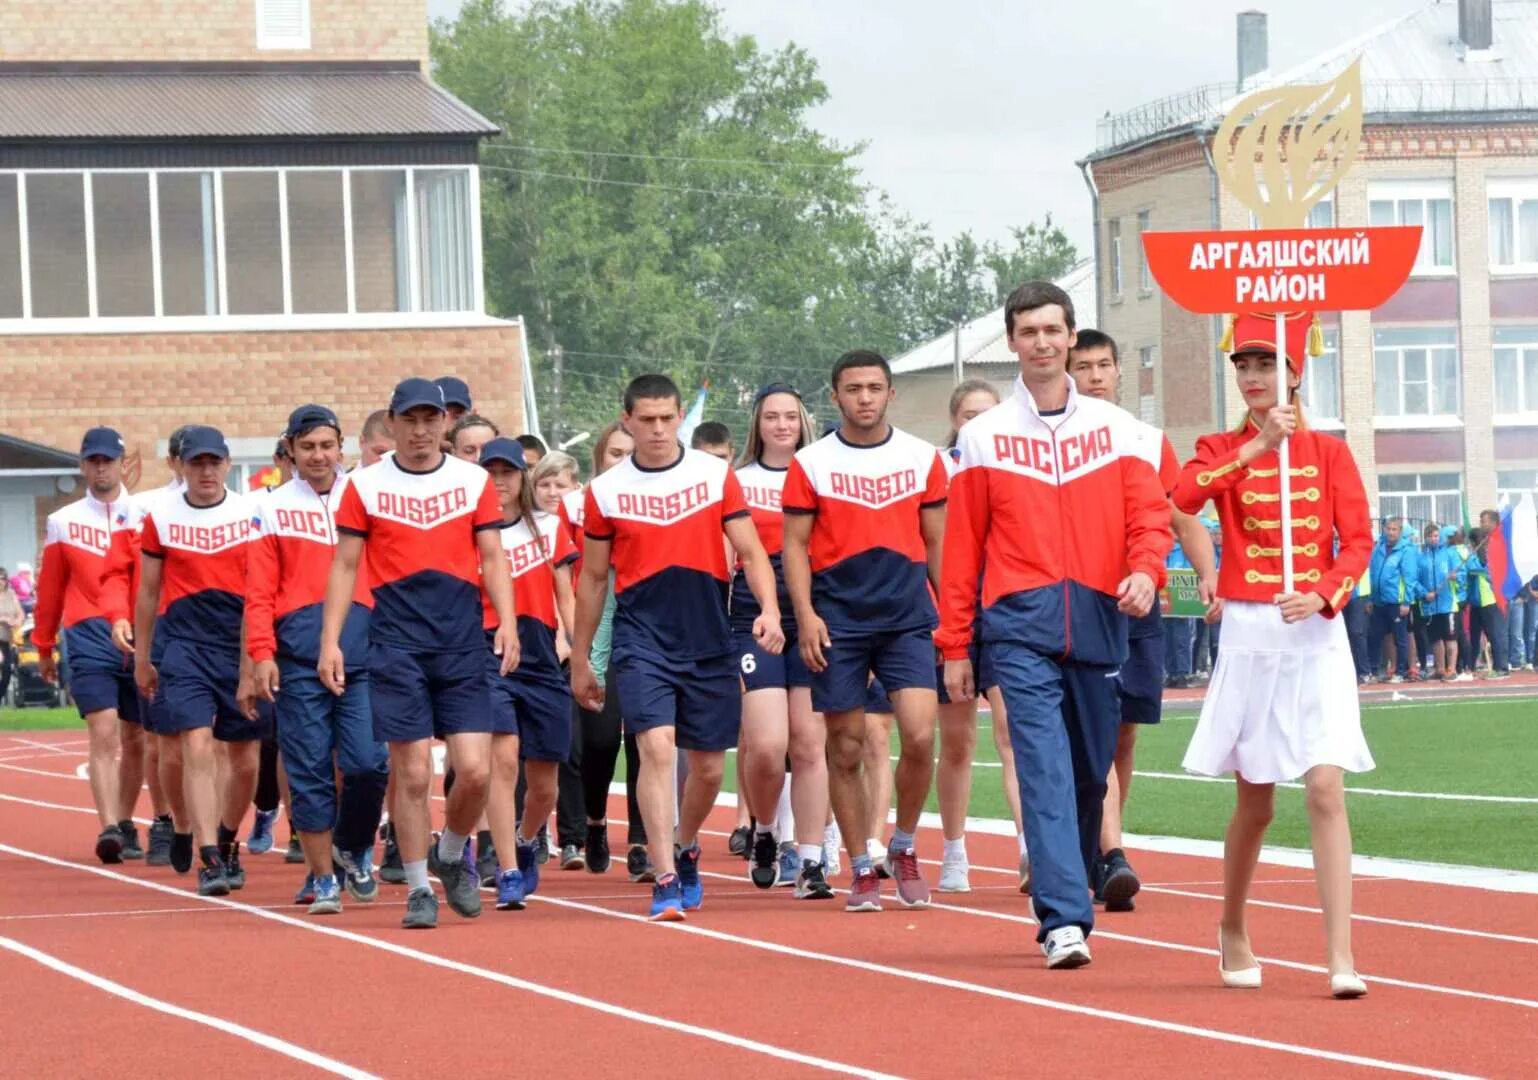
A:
x: 1512, y: 552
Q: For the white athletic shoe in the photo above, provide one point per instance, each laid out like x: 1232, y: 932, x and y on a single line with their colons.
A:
x: 1065, y: 947
x: 953, y: 874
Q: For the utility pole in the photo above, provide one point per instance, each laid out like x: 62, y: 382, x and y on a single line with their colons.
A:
x: 557, y: 366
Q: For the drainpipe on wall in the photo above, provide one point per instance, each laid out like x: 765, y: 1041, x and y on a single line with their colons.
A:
x: 1087, y: 171
x: 1219, y: 382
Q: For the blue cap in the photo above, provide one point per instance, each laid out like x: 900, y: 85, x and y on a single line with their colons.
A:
x: 503, y: 449
x: 199, y: 441
x: 455, y: 391
x: 307, y: 417
x: 775, y: 388
x: 102, y: 442
x: 410, y: 393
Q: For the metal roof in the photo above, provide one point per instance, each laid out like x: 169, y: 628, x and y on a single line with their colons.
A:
x: 230, y: 105
x: 982, y: 339
x: 1413, y: 65
x: 19, y: 453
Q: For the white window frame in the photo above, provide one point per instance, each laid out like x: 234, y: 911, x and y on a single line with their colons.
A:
x: 1402, y: 497
x: 1519, y: 191
x: 1311, y: 378
x: 1147, y: 357
x: 1518, y: 417
x: 1113, y: 248
x: 1423, y: 191
x: 269, y: 38
x: 1402, y: 421
x: 159, y: 322
x: 1145, y: 282
x: 1506, y: 491
x: 1326, y: 203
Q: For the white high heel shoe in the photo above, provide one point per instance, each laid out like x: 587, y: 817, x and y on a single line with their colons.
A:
x: 1347, y: 985
x: 1245, y: 978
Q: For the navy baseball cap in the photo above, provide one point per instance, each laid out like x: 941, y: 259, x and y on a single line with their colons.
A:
x: 776, y: 388
x: 410, y: 393
x: 455, y: 391
x: 308, y: 417
x: 503, y: 449
x: 101, y: 442
x: 199, y: 440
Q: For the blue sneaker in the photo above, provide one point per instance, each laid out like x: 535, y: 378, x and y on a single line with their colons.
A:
x: 528, y: 865
x: 790, y: 864
x: 328, y: 897
x: 306, y: 893
x: 667, y: 900
x: 260, y: 840
x: 510, y: 891
x: 693, y: 889
x: 357, y: 873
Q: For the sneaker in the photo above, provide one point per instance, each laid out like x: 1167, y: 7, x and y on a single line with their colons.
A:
x: 234, y: 873
x: 486, y: 864
x: 528, y: 865
x: 461, y: 888
x: 1025, y: 873
x: 1065, y: 947
x: 639, y: 864
x: 1463, y: 676
x: 421, y: 910
x: 865, y: 892
x: 181, y: 852
x: 1395, y: 679
x: 955, y: 874
x: 1496, y: 676
x: 1118, y: 881
x: 391, y: 871
x: 812, y: 884
x: 1413, y: 676
x: 295, y: 854
x: 572, y: 857
x: 790, y: 865
x: 667, y: 900
x: 328, y: 897
x: 357, y: 873
x: 306, y: 893
x: 510, y: 894
x: 212, y: 882
x: 542, y: 845
x: 160, y: 844
x: 912, y: 890
x: 597, y: 853
x: 740, y: 843
x: 109, y: 845
x: 131, y: 847
x: 260, y: 840
x: 690, y: 886
x: 764, y: 869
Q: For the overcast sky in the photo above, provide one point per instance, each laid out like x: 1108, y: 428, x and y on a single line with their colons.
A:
x: 974, y: 111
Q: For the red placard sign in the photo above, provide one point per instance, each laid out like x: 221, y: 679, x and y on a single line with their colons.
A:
x: 1282, y: 270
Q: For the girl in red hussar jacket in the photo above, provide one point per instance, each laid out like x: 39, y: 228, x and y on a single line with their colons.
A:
x: 1282, y: 703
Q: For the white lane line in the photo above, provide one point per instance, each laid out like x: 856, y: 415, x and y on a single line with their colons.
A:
x: 40, y: 772
x: 1443, y: 796
x: 33, y: 743
x: 223, y: 1026
x: 1210, y: 1034
x: 38, y: 755
x: 564, y: 996
x: 60, y: 806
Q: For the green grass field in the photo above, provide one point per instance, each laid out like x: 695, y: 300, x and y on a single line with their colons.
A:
x: 1468, y: 748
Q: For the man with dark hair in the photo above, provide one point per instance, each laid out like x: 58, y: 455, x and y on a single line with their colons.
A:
x: 657, y: 519
x: 864, y: 514
x: 1095, y: 367
x: 456, y: 396
x: 375, y: 441
x: 534, y: 449
x: 714, y: 438
x: 1054, y: 599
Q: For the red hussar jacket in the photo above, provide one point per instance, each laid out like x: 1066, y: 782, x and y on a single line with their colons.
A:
x: 287, y: 567
x: 1328, y: 502
x: 1053, y: 511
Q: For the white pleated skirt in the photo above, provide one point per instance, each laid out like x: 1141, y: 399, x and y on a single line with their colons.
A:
x: 1282, y: 699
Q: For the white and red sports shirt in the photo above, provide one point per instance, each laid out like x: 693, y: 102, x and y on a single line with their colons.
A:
x: 78, y: 538
x: 286, y: 572
x: 120, y: 571
x: 532, y: 558
x: 762, y: 487
x: 670, y: 576
x: 203, y: 554
x: 420, y: 551
x: 869, y: 562
x: 570, y: 514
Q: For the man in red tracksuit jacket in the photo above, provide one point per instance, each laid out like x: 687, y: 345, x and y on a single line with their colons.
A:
x: 1058, y: 519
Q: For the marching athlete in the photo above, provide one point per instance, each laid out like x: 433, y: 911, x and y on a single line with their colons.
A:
x: 657, y: 518
x: 1282, y: 702
x: 865, y: 512
x: 427, y: 524
x: 319, y: 733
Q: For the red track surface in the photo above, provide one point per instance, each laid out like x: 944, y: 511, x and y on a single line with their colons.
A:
x: 579, y: 984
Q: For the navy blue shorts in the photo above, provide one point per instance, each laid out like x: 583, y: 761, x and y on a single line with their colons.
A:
x: 534, y: 707
x: 700, y: 699
x: 198, y: 682
x: 1141, y: 681
x: 876, y: 700
x: 424, y: 695
x: 902, y: 660
x: 763, y: 670
x: 95, y: 689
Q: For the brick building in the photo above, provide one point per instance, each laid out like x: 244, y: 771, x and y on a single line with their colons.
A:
x: 214, y: 210
x: 1436, y: 391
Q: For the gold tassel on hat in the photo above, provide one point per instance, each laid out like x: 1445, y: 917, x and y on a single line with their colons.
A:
x: 1316, y: 338
x: 1227, y: 342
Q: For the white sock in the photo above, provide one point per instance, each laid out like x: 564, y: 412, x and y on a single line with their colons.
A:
x: 451, y: 846
x: 763, y: 828
x: 810, y: 853
x: 956, y: 849
x: 416, y: 875
x: 784, y: 816
x: 1022, y: 844
x: 830, y: 835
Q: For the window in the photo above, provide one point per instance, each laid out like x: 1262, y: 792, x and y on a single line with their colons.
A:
x: 1421, y: 497
x: 10, y: 250
x: 1320, y: 216
x: 1428, y: 204
x: 379, y: 254
x: 1114, y: 247
x: 1147, y: 356
x: 189, y: 270
x: 1321, y: 380
x: 1147, y: 409
x: 1144, y: 275
x: 443, y: 239
x: 1415, y: 372
x: 253, y: 243
x: 317, y: 241
x: 1514, y: 225
x: 282, y: 24
x: 120, y: 215
x: 1512, y: 484
x: 1516, y: 370
x: 56, y: 243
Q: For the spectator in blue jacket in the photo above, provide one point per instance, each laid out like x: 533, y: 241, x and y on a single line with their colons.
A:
x: 1395, y: 586
x: 1439, y: 566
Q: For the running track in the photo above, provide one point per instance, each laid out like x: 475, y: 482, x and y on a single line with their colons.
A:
x: 124, y: 971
